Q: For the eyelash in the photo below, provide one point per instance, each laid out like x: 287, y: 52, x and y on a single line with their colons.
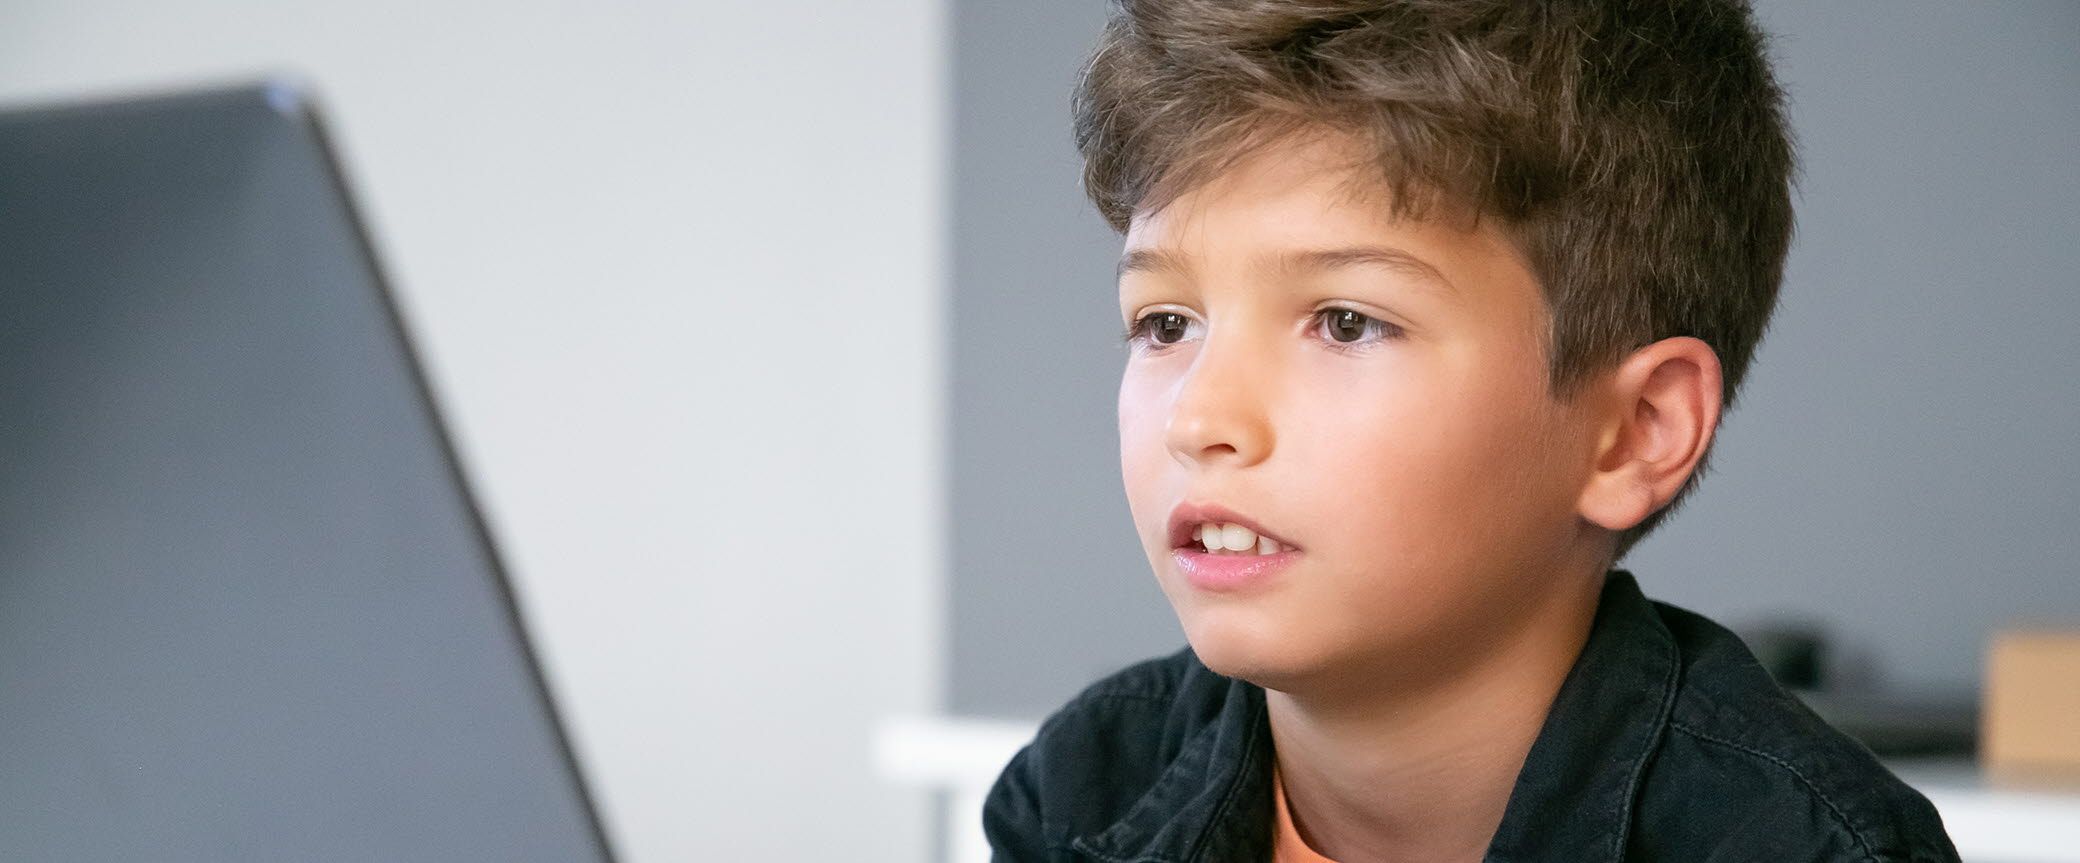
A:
x: 1139, y: 333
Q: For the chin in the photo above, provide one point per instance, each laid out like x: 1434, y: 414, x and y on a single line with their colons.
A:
x: 1250, y: 650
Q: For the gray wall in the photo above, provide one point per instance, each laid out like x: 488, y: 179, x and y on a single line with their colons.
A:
x: 1050, y: 587
x: 1902, y: 468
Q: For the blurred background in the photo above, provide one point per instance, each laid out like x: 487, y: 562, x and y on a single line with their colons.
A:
x: 779, y: 343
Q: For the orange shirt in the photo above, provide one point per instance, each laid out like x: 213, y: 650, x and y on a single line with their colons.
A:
x: 1286, y: 844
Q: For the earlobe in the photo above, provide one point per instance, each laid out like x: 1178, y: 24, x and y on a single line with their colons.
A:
x: 1662, y: 414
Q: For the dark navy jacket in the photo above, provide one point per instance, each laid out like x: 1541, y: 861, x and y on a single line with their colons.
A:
x: 1666, y: 742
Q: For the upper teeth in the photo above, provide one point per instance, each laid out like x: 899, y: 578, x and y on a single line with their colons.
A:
x: 1235, y: 538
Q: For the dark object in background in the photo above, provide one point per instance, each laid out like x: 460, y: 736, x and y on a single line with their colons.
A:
x: 1790, y: 652
x: 248, y: 610
x: 1795, y: 653
x: 1900, y: 726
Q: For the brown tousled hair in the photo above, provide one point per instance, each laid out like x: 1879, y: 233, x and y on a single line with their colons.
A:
x: 1636, y: 151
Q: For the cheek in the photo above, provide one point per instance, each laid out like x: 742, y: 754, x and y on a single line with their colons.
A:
x: 1144, y: 409
x: 1142, y: 420
x: 1369, y: 426
x: 1411, y: 461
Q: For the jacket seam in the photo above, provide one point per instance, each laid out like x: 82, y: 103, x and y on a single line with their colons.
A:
x: 1062, y: 715
x: 1079, y: 847
x: 1228, y: 795
x: 1663, y: 717
x: 1863, y: 844
x: 1081, y: 844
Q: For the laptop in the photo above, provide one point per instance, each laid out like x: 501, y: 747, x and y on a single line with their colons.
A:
x: 248, y: 608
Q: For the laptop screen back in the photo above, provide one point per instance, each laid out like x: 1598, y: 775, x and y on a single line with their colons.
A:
x: 247, y: 608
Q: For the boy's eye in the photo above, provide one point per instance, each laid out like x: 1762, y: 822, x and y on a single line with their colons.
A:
x: 1162, y: 328
x: 1349, y: 326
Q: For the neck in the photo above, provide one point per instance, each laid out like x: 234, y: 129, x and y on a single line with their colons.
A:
x: 1425, y: 772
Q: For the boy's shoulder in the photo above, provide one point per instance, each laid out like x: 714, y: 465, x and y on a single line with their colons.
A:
x: 1145, y: 713
x: 1167, y: 722
x: 1775, y: 771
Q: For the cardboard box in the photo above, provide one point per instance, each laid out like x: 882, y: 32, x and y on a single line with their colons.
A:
x: 2031, y: 716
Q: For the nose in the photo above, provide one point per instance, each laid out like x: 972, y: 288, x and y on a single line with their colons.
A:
x: 1220, y: 415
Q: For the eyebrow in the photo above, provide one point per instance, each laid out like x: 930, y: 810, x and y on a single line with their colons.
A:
x: 1307, y: 261
x: 1149, y: 261
x: 1421, y: 273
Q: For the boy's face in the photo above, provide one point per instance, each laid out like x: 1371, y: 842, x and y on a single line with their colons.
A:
x: 1408, y: 453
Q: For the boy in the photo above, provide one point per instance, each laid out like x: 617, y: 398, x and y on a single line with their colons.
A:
x: 1432, y: 310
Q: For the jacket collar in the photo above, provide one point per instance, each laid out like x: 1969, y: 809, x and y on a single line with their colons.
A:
x: 1213, y: 803
x: 1572, y: 800
x: 1574, y: 797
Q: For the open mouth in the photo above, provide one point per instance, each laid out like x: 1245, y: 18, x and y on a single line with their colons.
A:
x: 1232, y: 538
x: 1216, y: 530
x: 1222, y: 551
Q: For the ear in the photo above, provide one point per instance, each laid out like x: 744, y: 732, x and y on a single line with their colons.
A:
x: 1661, y: 414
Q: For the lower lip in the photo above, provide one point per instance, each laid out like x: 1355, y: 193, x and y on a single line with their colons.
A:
x: 1230, y: 572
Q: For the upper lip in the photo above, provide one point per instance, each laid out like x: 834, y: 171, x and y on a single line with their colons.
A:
x: 1186, y: 518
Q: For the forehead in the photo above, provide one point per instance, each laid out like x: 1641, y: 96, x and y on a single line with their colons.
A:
x: 1301, y: 200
